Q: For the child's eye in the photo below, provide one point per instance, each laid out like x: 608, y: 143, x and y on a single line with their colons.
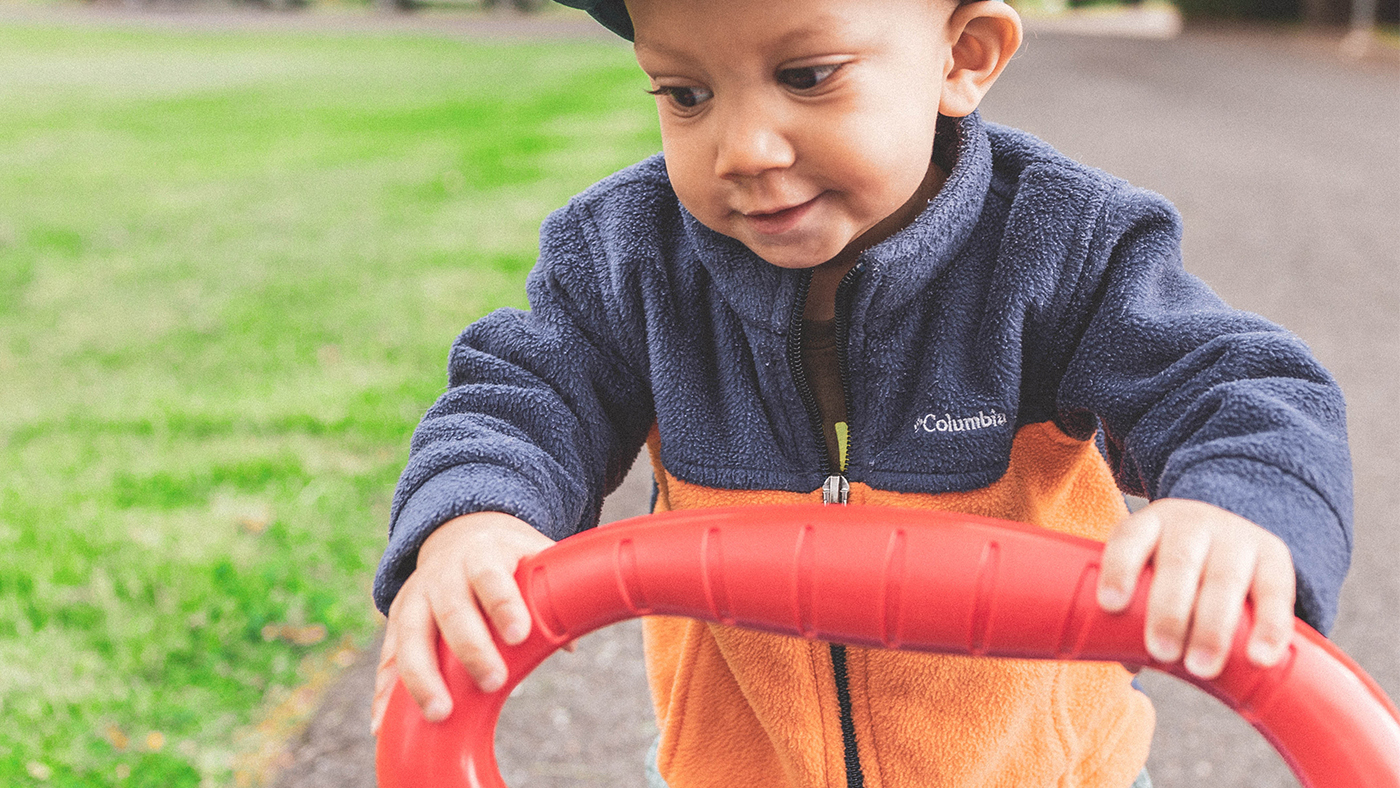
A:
x: 685, y: 97
x: 806, y: 77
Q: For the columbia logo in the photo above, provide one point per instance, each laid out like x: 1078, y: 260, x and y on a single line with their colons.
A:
x: 932, y: 422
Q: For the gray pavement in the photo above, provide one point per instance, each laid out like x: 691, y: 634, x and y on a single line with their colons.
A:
x: 1284, y: 159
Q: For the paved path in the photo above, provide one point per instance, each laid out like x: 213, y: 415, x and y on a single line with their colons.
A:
x: 581, y: 719
x: 1285, y: 161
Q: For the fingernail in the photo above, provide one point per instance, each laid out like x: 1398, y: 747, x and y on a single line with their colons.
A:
x: 492, y: 681
x: 1112, y: 599
x: 1264, y: 654
x: 437, y: 710
x: 514, y: 633
x: 1202, y: 662
x: 1163, y: 649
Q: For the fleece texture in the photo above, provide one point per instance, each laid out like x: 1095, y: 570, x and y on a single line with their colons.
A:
x: 745, y: 708
x: 1031, y: 289
x: 1034, y: 302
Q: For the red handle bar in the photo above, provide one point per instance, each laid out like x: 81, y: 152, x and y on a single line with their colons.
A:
x: 913, y: 580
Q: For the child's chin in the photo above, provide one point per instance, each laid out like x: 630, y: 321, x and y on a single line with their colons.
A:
x: 793, y: 264
x: 794, y: 255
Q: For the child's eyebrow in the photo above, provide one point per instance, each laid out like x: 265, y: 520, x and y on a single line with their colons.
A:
x: 827, y: 31
x: 642, y: 45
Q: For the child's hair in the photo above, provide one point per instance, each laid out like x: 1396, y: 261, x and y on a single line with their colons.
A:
x: 613, y: 14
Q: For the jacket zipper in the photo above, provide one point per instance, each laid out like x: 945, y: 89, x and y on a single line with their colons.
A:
x: 836, y: 487
x: 804, y: 389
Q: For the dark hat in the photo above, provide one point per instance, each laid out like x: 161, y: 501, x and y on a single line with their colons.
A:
x: 612, y: 13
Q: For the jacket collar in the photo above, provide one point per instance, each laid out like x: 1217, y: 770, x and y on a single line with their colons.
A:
x: 896, y: 269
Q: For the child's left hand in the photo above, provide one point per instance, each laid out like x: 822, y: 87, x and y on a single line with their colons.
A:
x: 1207, y: 561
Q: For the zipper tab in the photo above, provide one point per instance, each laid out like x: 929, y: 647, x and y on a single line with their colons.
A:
x: 836, y: 489
x: 842, y: 443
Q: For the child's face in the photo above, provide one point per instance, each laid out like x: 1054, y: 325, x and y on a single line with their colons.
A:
x: 796, y: 126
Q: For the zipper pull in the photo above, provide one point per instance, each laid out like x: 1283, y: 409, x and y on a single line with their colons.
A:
x: 842, y: 442
x: 836, y: 489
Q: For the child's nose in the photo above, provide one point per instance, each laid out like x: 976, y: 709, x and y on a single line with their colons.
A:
x: 751, y: 142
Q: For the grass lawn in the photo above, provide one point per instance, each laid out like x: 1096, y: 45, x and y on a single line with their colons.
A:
x: 231, y: 265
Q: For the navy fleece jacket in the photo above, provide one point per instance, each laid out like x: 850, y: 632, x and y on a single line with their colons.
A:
x: 1032, y: 287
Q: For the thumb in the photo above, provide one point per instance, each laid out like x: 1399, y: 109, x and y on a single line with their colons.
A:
x: 385, y: 677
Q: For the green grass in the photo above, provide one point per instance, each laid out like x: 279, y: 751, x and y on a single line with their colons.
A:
x: 231, y: 265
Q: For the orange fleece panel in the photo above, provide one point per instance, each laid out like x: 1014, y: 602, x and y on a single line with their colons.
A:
x: 997, y: 722
x: 755, y: 737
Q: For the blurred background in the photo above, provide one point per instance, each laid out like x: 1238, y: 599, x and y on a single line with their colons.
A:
x: 237, y: 239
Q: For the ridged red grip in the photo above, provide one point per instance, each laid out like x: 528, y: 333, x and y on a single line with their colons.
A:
x: 906, y: 579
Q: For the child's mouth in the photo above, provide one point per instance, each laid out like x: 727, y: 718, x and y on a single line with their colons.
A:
x: 779, y: 221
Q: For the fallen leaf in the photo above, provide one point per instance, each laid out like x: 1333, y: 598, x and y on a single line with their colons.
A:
x: 253, y: 525
x: 305, y: 636
x: 298, y: 636
x: 117, y: 737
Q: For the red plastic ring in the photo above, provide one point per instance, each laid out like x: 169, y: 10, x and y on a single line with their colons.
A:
x: 905, y: 579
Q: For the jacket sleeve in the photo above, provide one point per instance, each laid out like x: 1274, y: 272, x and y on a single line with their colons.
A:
x: 544, y: 412
x: 1201, y: 401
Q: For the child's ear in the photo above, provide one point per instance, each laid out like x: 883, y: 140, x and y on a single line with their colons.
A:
x: 985, y: 34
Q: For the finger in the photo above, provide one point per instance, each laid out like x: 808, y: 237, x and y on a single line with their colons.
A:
x: 505, y: 608
x: 1178, y: 563
x: 385, y: 679
x: 1124, y: 557
x: 417, y: 661
x: 466, y: 634
x: 1273, y: 592
x: 386, y: 675
x: 1225, y: 582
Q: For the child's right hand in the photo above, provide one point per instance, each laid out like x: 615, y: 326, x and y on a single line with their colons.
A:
x: 466, y: 568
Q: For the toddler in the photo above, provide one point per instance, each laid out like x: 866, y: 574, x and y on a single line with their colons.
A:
x: 837, y: 283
